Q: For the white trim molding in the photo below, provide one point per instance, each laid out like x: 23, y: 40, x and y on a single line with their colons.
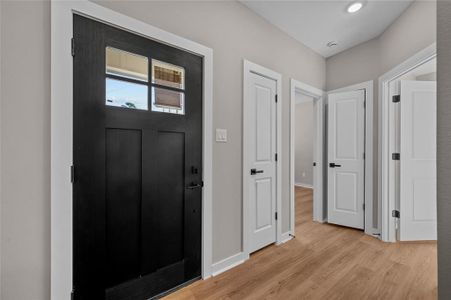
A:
x: 319, y: 189
x: 286, y: 237
x: 228, y: 263
x: 62, y: 122
x: 369, y: 95
x: 387, y: 195
x: 248, y: 68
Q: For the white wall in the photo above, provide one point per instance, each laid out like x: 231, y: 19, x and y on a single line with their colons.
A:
x: 413, y: 31
x: 304, y: 133
x: 232, y: 30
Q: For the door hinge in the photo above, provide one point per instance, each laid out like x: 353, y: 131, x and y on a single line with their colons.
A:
x: 395, y: 156
x: 72, y: 45
x: 275, y: 156
x: 72, y: 294
x: 395, y: 214
x: 275, y: 216
x: 276, y: 98
x: 72, y: 174
x: 364, y: 104
x: 363, y: 206
x: 364, y: 156
x: 396, y: 98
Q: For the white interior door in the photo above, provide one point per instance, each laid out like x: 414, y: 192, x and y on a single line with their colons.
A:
x: 261, y: 142
x: 319, y: 212
x: 418, y: 193
x: 346, y: 147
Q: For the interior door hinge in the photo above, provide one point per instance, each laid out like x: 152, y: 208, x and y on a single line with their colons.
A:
x: 72, y: 174
x: 395, y: 156
x: 396, y: 98
x: 275, y: 156
x: 276, y: 98
x: 395, y: 213
x: 363, y: 206
x: 275, y: 215
x: 72, y: 42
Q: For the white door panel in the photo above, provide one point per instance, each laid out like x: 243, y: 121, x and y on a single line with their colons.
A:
x: 346, y: 147
x: 262, y: 149
x: 418, y: 194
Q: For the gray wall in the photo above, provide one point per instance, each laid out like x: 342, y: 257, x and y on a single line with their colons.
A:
x: 413, y: 31
x: 234, y: 33
x: 303, y: 154
x: 444, y: 149
x: 25, y: 151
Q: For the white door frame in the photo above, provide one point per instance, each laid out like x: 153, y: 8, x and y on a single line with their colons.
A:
x: 318, y: 95
x: 368, y: 87
x: 386, y: 166
x: 62, y: 125
x: 248, y: 68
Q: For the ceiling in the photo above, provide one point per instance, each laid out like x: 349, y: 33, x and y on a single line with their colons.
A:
x: 315, y: 23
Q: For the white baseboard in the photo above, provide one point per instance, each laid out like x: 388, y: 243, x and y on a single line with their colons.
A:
x: 320, y: 220
x: 304, y: 185
x: 285, y: 237
x: 228, y: 263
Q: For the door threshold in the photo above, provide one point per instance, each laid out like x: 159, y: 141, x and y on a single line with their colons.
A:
x: 172, y: 290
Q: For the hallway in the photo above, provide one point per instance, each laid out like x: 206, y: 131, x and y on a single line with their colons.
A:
x: 326, y: 262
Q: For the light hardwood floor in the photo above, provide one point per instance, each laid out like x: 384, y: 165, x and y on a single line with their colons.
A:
x: 326, y: 262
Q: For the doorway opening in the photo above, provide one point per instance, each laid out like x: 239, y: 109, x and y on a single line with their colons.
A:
x: 262, y: 172
x: 361, y: 95
x: 306, y: 154
x: 408, y: 156
x: 63, y: 240
x: 321, y: 169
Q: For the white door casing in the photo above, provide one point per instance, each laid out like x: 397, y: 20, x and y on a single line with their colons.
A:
x: 261, y: 153
x: 346, y: 147
x: 418, y: 192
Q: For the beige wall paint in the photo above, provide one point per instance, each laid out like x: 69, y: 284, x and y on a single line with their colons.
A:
x: 25, y: 153
x: 303, y: 153
x: 413, y: 31
x: 234, y: 33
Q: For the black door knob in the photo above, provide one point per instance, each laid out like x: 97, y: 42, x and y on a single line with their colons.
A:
x: 334, y: 165
x: 255, y: 171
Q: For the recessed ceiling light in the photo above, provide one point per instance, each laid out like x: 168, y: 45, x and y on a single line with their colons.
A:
x: 354, y: 7
x: 332, y: 44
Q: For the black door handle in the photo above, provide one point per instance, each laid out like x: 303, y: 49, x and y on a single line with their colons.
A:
x: 193, y: 186
x: 334, y: 165
x: 255, y: 171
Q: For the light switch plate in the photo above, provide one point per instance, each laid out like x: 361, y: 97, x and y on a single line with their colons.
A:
x: 221, y: 135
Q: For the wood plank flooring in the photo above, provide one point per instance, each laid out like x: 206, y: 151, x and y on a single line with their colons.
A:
x: 326, y: 262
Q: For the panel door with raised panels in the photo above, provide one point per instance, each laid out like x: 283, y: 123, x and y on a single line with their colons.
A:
x: 138, y: 164
x: 418, y: 192
x: 262, y: 168
x: 346, y: 147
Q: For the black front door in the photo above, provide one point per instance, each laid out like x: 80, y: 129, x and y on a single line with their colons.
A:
x: 137, y: 164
